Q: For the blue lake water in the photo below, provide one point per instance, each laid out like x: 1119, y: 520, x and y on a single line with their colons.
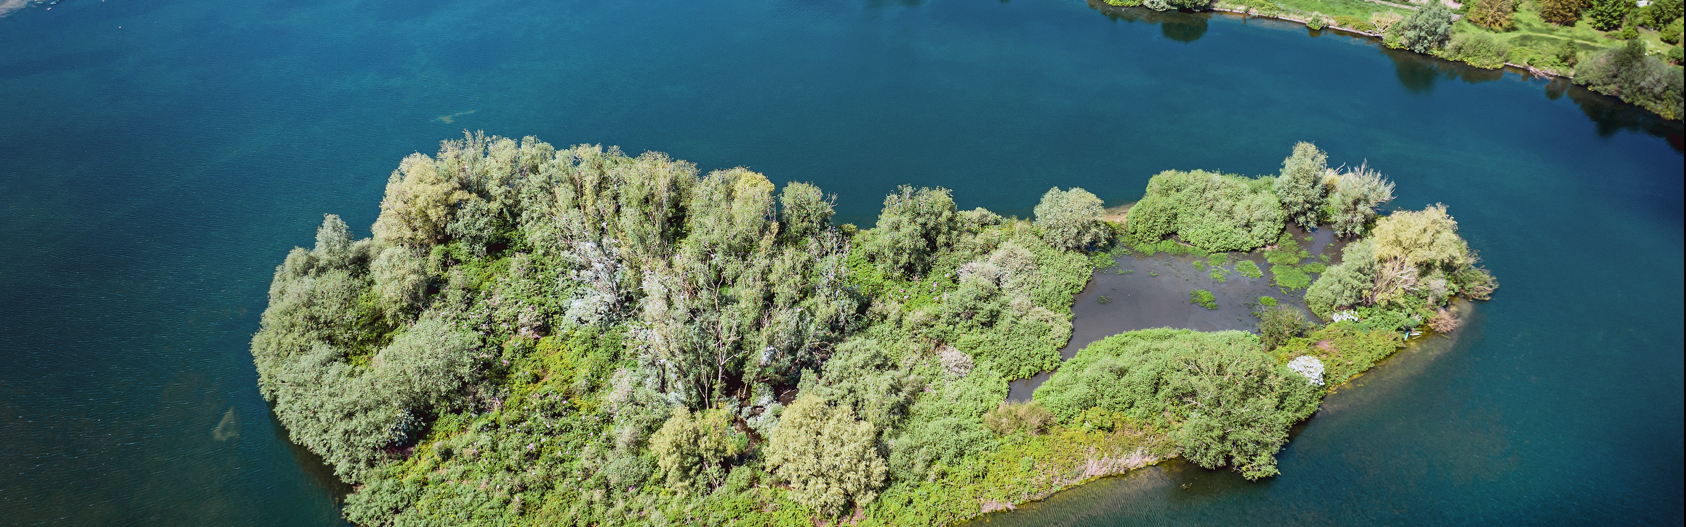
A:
x: 157, y: 160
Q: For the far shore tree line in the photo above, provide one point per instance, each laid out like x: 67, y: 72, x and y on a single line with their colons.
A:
x: 1630, y: 49
x: 575, y: 336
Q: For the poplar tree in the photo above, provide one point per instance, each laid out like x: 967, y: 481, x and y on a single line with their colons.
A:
x: 1300, y: 185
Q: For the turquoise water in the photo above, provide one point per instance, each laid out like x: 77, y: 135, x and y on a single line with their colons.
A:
x: 157, y: 159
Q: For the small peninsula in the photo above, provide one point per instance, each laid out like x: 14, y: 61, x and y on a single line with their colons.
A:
x: 575, y: 336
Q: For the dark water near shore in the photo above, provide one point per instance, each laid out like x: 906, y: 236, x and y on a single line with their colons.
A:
x: 157, y: 159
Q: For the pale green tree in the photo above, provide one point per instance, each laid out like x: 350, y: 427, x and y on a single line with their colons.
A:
x: 1357, y: 193
x: 1300, y: 184
x: 692, y: 447
x: 913, y: 228
x: 419, y: 203
x: 828, y: 457
x: 1070, y: 219
x: 804, y: 210
x: 1428, y: 237
x: 400, y: 280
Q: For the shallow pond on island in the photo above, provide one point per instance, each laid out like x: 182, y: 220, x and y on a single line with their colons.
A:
x: 157, y: 160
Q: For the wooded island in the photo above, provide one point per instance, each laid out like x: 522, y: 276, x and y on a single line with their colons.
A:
x: 580, y: 337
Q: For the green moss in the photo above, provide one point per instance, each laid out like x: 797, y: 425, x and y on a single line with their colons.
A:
x: 1248, y: 269
x: 1289, y: 277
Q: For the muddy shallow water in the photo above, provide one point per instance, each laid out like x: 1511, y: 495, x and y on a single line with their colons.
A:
x: 1153, y: 292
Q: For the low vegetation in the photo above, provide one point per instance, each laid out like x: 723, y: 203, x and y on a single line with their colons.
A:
x: 576, y: 336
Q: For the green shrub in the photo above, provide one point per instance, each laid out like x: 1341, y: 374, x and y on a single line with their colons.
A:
x: 1607, y: 15
x: 1070, y: 219
x: 688, y: 449
x: 1425, y: 30
x: 1300, y: 184
x: 1638, y: 79
x: 1225, y: 400
x: 1346, y: 284
x: 1355, y: 23
x: 829, y: 458
x: 1671, y: 32
x: 1277, y: 324
x: 1210, y: 211
x: 1478, y: 48
x: 1203, y: 298
x: 1010, y: 418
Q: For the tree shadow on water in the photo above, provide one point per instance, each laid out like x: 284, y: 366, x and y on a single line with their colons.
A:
x: 1611, y: 115
x: 1418, y: 73
x: 1181, y: 26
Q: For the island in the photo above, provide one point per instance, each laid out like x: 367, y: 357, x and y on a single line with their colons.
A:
x: 576, y: 336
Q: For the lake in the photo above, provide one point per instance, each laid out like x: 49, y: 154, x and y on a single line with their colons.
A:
x: 158, y: 159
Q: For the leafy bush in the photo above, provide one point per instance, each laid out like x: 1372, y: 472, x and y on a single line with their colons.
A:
x: 1425, y: 30
x: 1355, y: 23
x: 913, y: 227
x: 1347, y: 284
x: 1478, y: 48
x: 1421, y: 239
x: 1226, y: 401
x: 1607, y: 15
x: 1300, y: 184
x: 1659, y: 13
x: 1011, y: 418
x: 688, y: 448
x: 827, y: 456
x: 1357, y: 193
x: 1213, y: 212
x: 1670, y: 33
x: 1070, y: 219
x: 1280, y: 323
x: 1639, y: 79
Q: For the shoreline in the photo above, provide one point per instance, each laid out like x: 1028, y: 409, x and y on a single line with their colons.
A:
x: 1519, y: 68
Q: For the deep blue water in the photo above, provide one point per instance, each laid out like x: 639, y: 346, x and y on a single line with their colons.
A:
x: 157, y: 159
